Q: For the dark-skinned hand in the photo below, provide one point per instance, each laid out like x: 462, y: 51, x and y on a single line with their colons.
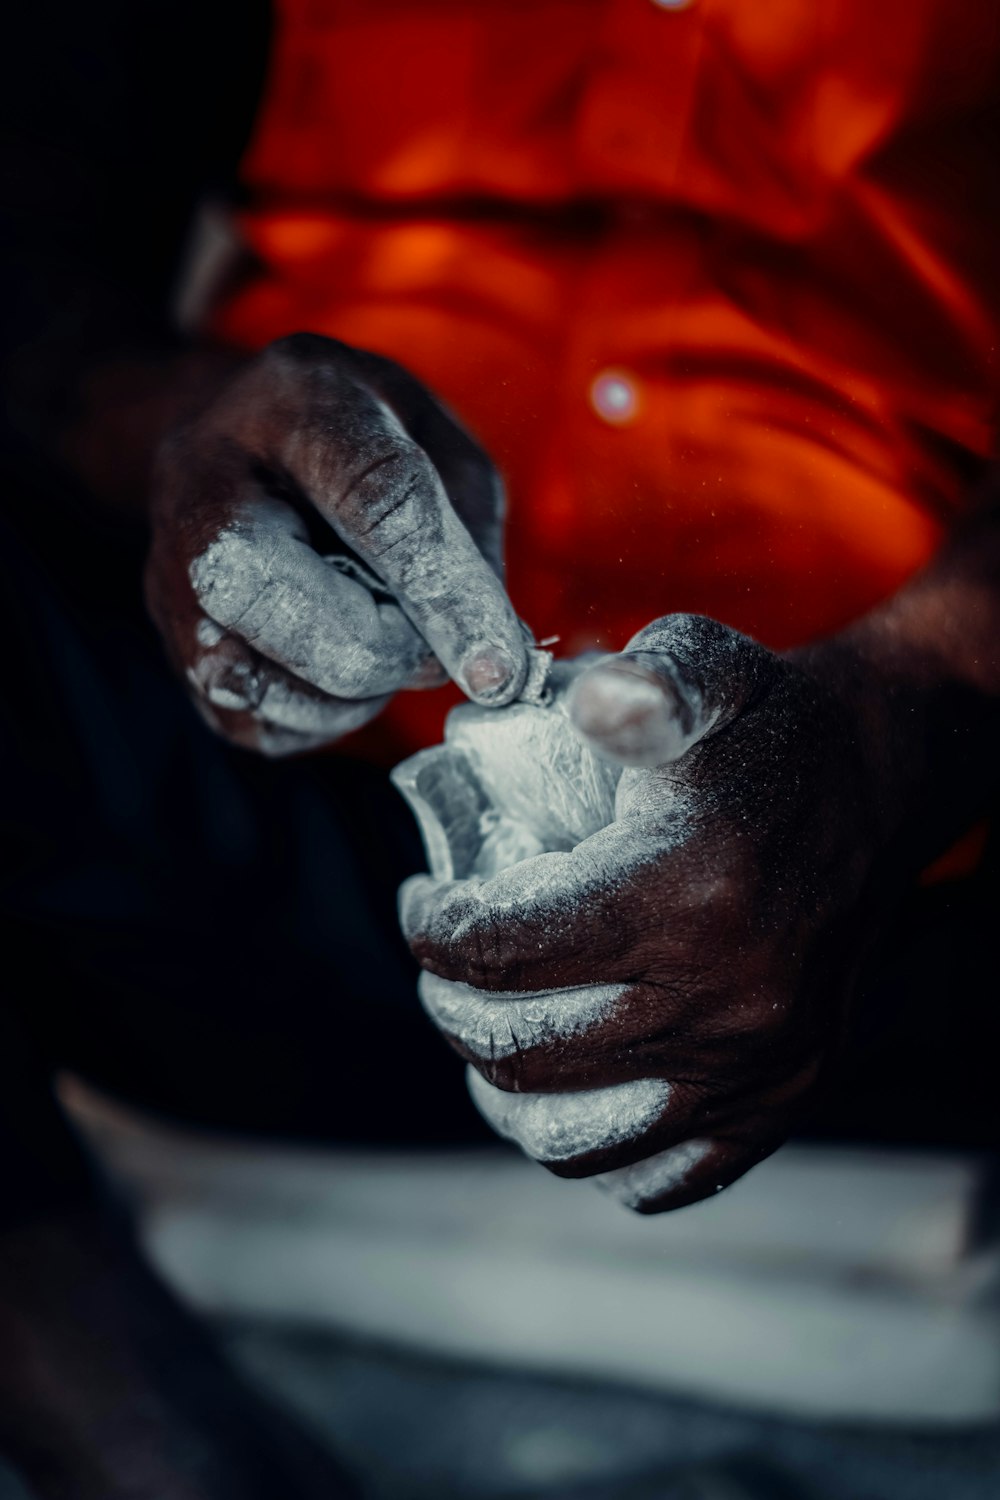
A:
x: 656, y: 1006
x: 311, y: 449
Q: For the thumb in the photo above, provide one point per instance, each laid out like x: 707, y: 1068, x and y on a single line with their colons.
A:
x: 351, y: 454
x: 677, y: 680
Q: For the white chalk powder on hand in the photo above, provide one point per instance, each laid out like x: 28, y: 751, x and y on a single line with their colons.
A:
x: 501, y: 1025
x: 643, y: 1183
x: 509, y: 785
x: 564, y: 1127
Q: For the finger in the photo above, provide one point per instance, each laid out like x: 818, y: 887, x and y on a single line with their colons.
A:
x: 677, y: 680
x: 233, y: 679
x: 559, y: 1130
x: 636, y: 1137
x: 248, y: 733
x: 471, y: 482
x: 489, y: 1028
x: 262, y: 581
x: 557, y: 1041
x: 555, y: 921
x: 381, y: 493
x: 646, y: 1184
x: 685, y: 1173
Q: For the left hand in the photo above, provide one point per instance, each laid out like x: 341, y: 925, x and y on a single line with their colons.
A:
x: 656, y: 1006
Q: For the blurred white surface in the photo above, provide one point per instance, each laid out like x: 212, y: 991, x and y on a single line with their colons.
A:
x: 833, y: 1283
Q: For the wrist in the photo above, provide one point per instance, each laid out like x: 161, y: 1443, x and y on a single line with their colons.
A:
x: 926, y: 738
x: 882, y: 724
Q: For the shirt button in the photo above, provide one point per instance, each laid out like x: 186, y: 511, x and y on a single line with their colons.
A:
x: 671, y: 4
x: 614, y: 397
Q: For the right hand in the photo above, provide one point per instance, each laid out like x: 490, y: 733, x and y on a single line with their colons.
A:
x: 313, y: 447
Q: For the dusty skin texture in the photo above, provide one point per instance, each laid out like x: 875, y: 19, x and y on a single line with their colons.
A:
x: 769, y: 812
x: 513, y: 786
x: 324, y: 535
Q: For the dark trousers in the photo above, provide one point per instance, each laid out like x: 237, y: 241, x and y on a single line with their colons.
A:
x: 213, y: 936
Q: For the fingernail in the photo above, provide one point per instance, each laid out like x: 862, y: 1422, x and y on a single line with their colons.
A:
x: 488, y: 672
x: 607, y: 694
x: 624, y: 716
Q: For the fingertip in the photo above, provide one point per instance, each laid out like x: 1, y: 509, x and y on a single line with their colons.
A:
x: 626, y: 714
x: 493, y: 674
x: 428, y: 918
x: 659, y: 1182
x: 411, y: 901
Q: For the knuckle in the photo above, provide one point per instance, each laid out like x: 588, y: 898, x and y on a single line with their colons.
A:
x: 296, y: 350
x: 486, y: 949
x: 432, y: 920
x: 229, y: 577
x: 383, y: 502
x: 465, y: 942
x: 487, y: 1031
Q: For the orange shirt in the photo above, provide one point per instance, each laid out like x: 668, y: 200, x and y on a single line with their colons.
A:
x: 716, y: 283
